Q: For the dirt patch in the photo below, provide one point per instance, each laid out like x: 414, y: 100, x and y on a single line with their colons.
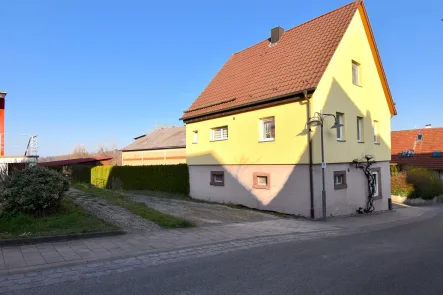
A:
x: 202, y: 214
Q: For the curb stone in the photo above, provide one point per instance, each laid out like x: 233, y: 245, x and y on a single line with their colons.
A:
x: 59, y: 238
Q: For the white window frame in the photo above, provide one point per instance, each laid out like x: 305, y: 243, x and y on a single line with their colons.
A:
x: 221, y: 178
x: 376, y: 192
x: 222, y: 137
x: 341, y: 129
x: 376, y: 135
x: 195, y: 136
x: 360, y: 129
x: 356, y: 75
x: 261, y: 129
x: 338, y: 177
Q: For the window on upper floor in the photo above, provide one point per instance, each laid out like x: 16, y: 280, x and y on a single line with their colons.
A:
x: 419, y: 137
x: 267, y: 129
x: 376, y: 132
x: 219, y: 133
x: 195, y: 136
x: 356, y: 73
x: 340, y: 117
x: 360, y: 129
x: 436, y: 154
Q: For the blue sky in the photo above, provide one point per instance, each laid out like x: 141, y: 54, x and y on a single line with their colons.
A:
x: 90, y: 72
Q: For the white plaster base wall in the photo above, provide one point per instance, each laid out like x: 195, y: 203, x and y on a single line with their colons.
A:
x: 289, y: 191
x: 347, y: 201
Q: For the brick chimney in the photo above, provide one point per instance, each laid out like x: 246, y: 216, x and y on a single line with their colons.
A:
x: 276, y: 34
x: 2, y: 123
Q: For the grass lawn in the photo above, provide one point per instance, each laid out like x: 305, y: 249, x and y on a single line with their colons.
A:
x: 117, y: 198
x: 70, y: 219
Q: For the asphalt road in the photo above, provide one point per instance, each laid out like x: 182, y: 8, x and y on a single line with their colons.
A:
x: 402, y: 260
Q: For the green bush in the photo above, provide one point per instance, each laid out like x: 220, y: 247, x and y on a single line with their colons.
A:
x: 400, y: 185
x: 426, y: 182
x: 166, y: 178
x: 37, y: 191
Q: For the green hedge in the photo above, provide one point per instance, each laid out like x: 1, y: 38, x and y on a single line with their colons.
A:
x: 81, y: 173
x: 166, y: 178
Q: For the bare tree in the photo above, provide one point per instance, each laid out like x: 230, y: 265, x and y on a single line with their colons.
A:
x: 111, y: 150
x: 80, y: 151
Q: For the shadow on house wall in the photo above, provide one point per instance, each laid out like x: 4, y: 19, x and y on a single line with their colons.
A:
x: 289, y: 184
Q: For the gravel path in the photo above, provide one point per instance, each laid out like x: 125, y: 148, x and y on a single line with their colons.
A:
x: 202, y: 214
x: 115, y: 215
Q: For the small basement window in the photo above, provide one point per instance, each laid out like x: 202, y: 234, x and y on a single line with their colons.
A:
x: 340, y: 180
x: 419, y: 137
x: 217, y: 178
x: 436, y: 154
x: 261, y: 180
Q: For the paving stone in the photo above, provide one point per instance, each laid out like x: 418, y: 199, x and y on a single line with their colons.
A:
x: 52, y: 257
x: 70, y: 255
x: 86, y: 253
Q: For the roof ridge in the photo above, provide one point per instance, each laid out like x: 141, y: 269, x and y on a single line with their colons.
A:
x: 415, y: 129
x: 356, y: 2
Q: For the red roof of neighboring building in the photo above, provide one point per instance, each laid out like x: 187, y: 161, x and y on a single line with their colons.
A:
x: 296, y: 63
x: 74, y: 161
x: 423, y: 150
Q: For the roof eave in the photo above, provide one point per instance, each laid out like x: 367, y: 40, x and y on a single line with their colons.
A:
x: 298, y: 92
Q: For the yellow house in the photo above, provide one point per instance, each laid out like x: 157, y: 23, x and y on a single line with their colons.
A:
x: 247, y: 137
x: 163, y: 146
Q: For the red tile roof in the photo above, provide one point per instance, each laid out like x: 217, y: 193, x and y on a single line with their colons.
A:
x: 406, y: 140
x: 74, y: 161
x: 295, y: 63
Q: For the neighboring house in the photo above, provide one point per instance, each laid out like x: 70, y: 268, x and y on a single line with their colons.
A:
x: 90, y: 161
x: 418, y: 148
x: 246, y: 134
x: 160, y: 147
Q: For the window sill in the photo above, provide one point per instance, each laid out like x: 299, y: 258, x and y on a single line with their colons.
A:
x: 357, y: 85
x: 214, y: 140
x: 377, y: 198
x: 377, y: 143
x: 340, y: 186
x: 360, y: 141
x: 341, y: 140
x: 256, y: 186
x: 267, y: 140
x: 217, y: 183
x: 194, y: 142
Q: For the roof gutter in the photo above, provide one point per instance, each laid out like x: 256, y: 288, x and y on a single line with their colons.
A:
x: 296, y: 93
